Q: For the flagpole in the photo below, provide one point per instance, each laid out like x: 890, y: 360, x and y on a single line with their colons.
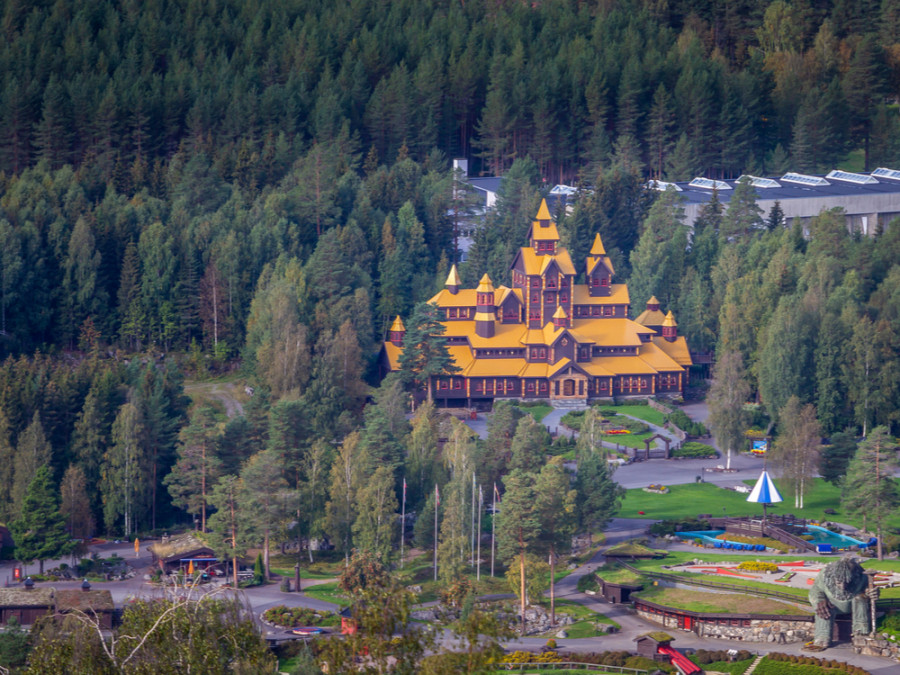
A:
x: 493, y: 527
x: 472, y: 548
x: 478, y: 556
x: 437, y: 501
x: 402, y: 522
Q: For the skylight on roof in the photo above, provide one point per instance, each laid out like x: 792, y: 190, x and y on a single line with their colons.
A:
x: 882, y: 172
x: 803, y: 179
x: 756, y: 181
x: 662, y: 186
x: 847, y: 177
x: 709, y: 184
x: 563, y: 190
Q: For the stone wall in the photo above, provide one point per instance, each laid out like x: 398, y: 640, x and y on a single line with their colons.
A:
x: 760, y: 630
x: 876, y: 647
x: 778, y: 631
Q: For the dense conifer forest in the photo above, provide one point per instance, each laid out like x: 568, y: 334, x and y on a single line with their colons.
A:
x: 193, y: 187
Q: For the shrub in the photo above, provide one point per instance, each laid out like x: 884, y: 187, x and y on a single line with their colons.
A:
x: 588, y: 583
x: 758, y: 566
x: 686, y: 424
x: 694, y: 449
x: 288, y: 617
x: 665, y: 527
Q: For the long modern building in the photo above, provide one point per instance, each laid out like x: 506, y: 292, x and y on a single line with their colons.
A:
x: 869, y: 200
x: 545, y: 336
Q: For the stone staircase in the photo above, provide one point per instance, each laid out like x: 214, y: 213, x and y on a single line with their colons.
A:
x: 569, y: 404
x: 754, y: 664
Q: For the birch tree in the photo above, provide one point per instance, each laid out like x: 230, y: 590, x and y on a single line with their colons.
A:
x: 727, y: 394
x: 797, y: 450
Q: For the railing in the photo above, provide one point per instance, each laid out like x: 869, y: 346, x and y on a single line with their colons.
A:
x: 570, y: 665
x: 767, y: 530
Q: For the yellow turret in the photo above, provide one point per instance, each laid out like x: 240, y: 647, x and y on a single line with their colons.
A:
x: 453, y: 283
x: 597, y: 247
x: 543, y: 212
x: 485, y: 285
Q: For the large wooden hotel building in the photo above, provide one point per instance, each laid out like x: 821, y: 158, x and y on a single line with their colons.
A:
x: 546, y: 337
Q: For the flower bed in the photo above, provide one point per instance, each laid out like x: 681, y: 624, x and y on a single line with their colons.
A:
x: 758, y: 566
x: 288, y: 617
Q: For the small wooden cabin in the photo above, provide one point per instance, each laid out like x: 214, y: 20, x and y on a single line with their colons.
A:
x: 26, y: 604
x: 177, y: 553
x: 648, y: 644
x: 97, y: 604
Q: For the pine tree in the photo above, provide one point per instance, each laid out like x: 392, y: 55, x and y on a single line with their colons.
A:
x: 40, y: 531
x: 518, y: 525
x: 198, y: 466
x: 32, y: 452
x: 556, y: 512
x: 870, y: 489
x: 263, y: 499
x: 425, y: 354
x: 227, y: 528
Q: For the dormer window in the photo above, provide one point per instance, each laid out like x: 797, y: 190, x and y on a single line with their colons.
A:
x: 551, y: 283
x: 535, y: 283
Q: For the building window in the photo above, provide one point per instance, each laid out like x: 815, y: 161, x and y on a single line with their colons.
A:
x: 595, y: 311
x: 457, y: 383
x: 564, y: 283
x: 543, y: 386
x: 543, y: 353
x: 595, y: 281
x: 535, y: 297
x: 535, y: 316
x: 444, y: 384
x: 551, y: 298
x: 535, y: 283
x: 608, y: 311
x: 551, y: 283
x: 530, y: 385
x: 604, y: 281
x: 563, y: 298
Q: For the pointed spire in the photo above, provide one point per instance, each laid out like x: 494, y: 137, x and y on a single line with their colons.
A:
x: 669, y: 330
x: 485, y: 285
x: 597, y: 247
x: 453, y: 283
x: 543, y: 212
x: 560, y: 318
x: 396, y: 332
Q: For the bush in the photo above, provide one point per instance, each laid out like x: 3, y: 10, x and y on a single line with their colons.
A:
x: 758, y: 566
x: 694, y: 449
x: 288, y: 617
x: 665, y: 527
x: 588, y: 582
x: 573, y: 419
x: 680, y: 419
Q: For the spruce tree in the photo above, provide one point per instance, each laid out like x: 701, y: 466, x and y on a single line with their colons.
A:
x: 40, y: 531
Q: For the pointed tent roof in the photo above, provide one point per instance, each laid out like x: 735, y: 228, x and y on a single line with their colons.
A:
x: 765, y: 492
x: 485, y: 285
x: 653, y: 300
x: 670, y: 319
x: 398, y: 324
x: 453, y: 277
x: 597, y: 247
x: 543, y: 212
x: 560, y: 313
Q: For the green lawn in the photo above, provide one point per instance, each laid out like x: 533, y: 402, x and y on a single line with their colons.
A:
x: 538, y: 412
x: 687, y: 501
x: 328, y: 593
x: 694, y: 600
x: 644, y: 412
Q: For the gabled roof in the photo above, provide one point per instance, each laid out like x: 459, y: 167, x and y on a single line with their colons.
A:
x: 392, y: 352
x: 651, y: 317
x: 618, y: 295
x: 562, y: 364
x: 677, y: 349
x: 593, y: 261
x: 658, y: 359
x: 611, y: 332
x: 535, y: 264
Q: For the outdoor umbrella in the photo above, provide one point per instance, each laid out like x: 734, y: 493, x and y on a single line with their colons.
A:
x: 765, y: 493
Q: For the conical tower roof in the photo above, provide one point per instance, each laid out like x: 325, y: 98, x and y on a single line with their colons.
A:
x: 597, y: 247
x: 453, y: 277
x: 485, y: 285
x: 543, y: 212
x: 560, y: 313
x: 398, y: 324
x: 652, y: 301
x: 670, y: 319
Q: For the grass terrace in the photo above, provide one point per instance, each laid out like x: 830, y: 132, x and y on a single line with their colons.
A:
x: 720, y: 603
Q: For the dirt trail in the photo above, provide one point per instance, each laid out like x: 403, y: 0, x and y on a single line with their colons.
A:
x: 226, y: 393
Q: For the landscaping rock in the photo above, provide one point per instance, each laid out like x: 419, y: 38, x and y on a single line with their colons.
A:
x: 562, y: 634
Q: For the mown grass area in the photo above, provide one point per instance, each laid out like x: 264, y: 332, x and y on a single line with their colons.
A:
x: 538, y: 412
x: 616, y: 574
x: 731, y: 667
x: 628, y: 440
x: 643, y: 412
x: 687, y: 501
x: 730, y: 603
x: 582, y: 613
x: 329, y: 593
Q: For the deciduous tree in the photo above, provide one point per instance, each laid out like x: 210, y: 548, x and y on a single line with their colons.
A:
x: 727, y: 395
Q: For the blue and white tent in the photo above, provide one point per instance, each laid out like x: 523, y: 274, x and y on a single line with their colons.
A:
x: 765, y: 492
